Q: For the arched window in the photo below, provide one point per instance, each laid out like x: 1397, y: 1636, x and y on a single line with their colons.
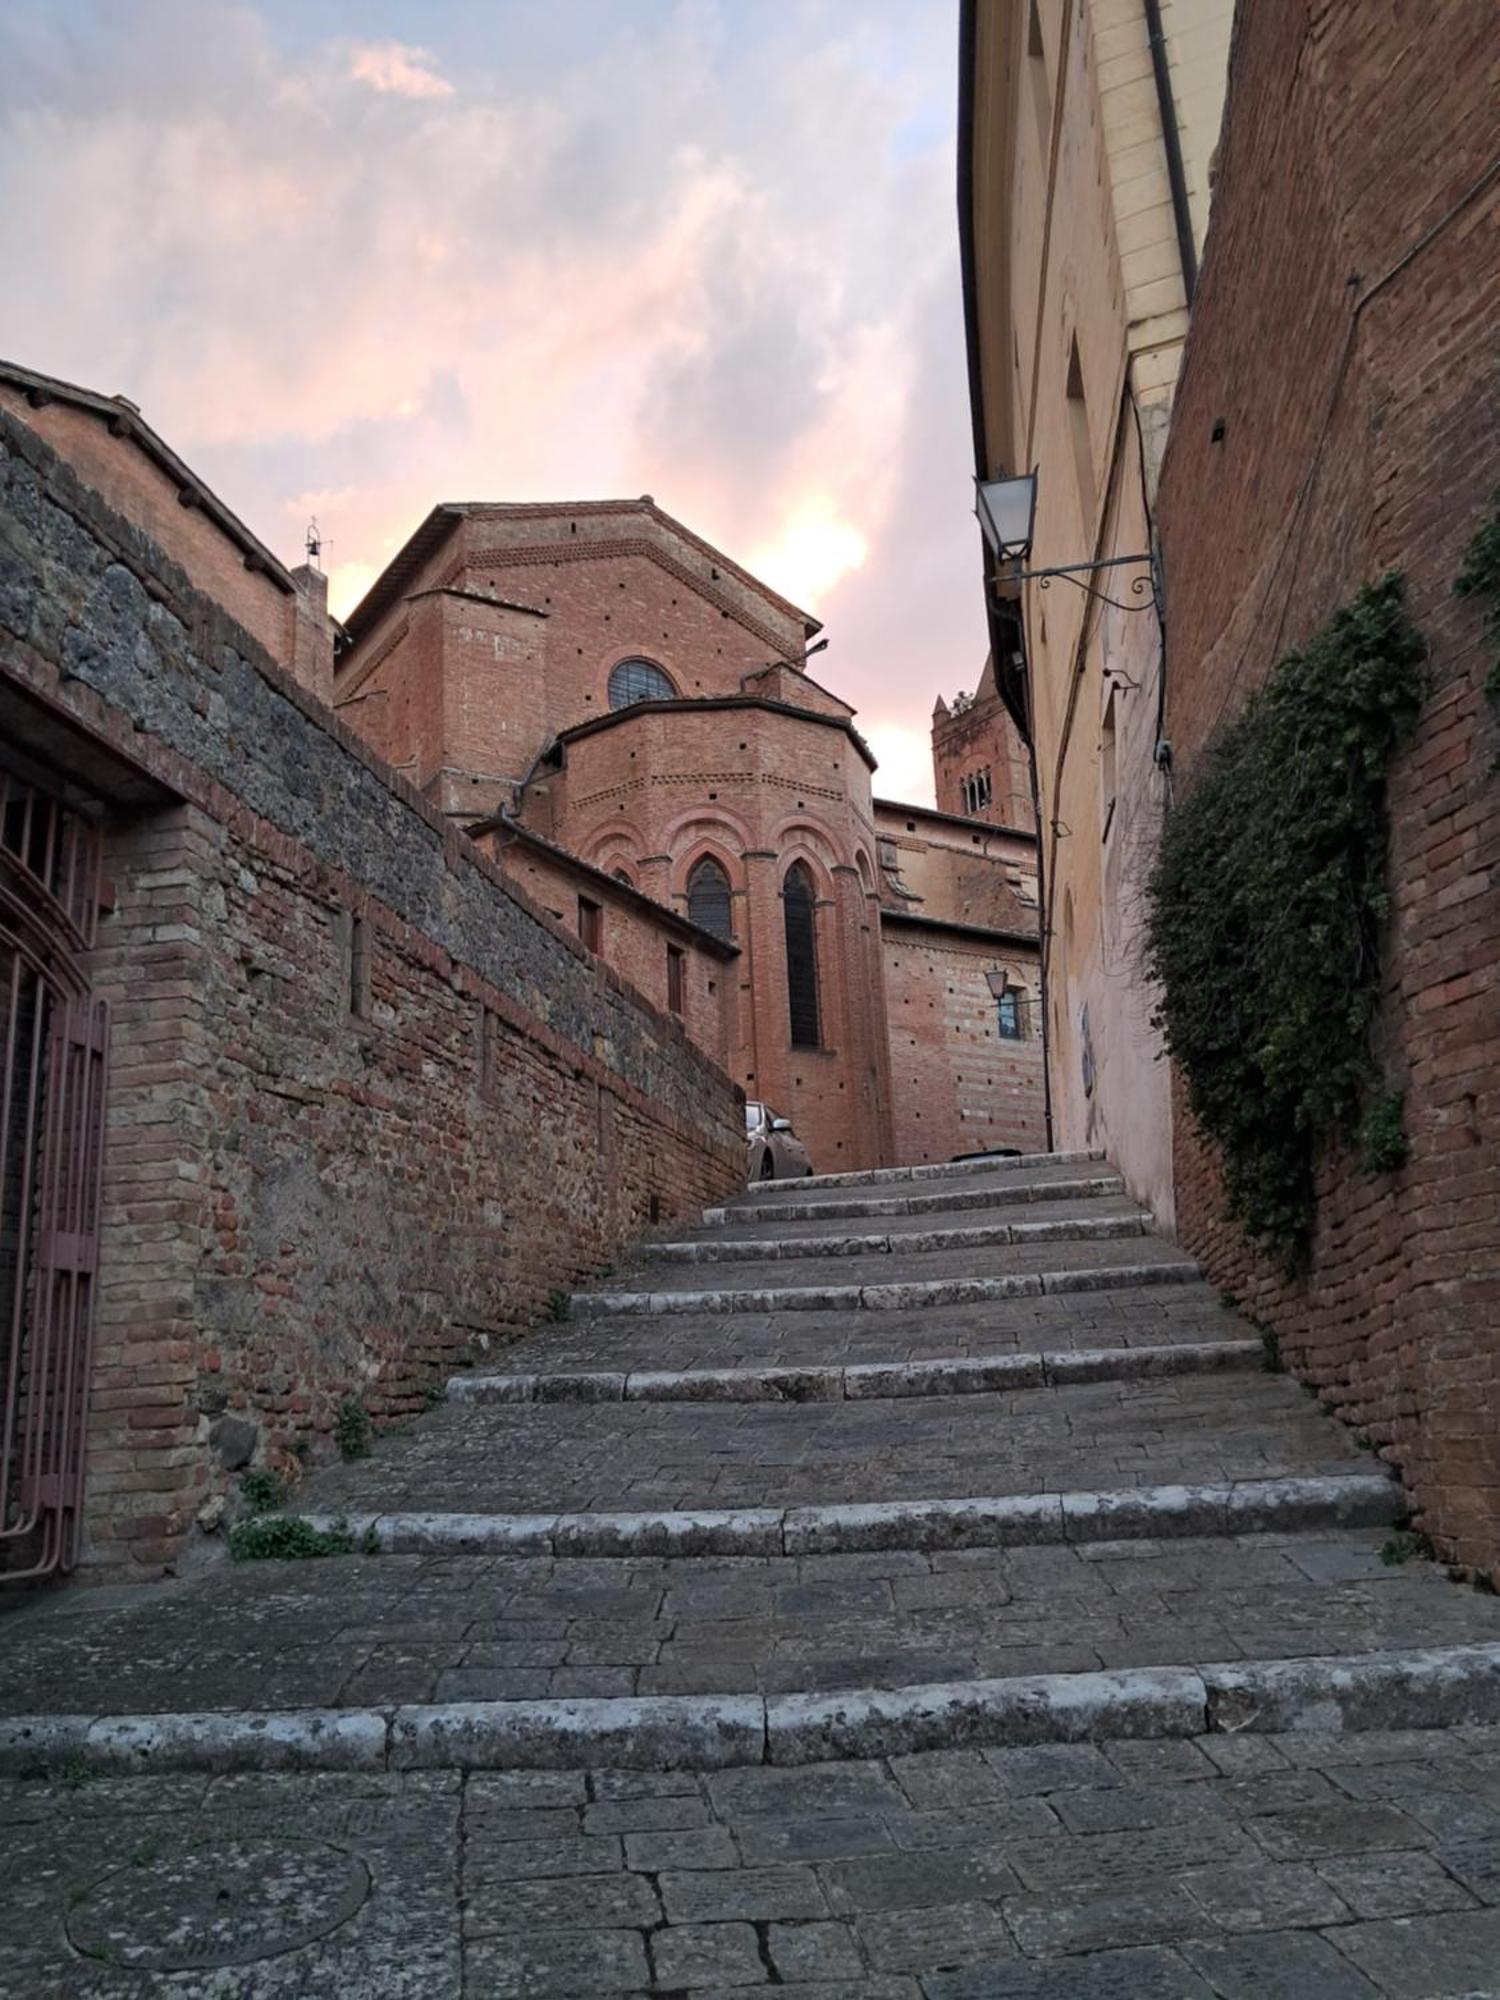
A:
x: 637, y: 680
x: 798, y: 902
x: 708, y: 898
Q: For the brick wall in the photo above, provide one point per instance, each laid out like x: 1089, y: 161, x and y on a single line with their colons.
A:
x: 982, y: 737
x: 369, y: 1104
x: 1353, y: 228
x: 956, y: 1085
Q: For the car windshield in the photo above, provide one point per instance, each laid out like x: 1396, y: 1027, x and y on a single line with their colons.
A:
x: 755, y: 1117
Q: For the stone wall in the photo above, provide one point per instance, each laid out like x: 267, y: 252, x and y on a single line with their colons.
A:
x: 369, y: 1104
x: 1354, y: 229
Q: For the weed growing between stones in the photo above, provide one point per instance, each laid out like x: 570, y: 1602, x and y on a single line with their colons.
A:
x: 353, y: 1431
x: 286, y: 1538
x: 559, y: 1304
x: 435, y: 1395
x: 262, y: 1490
x: 1267, y: 907
x: 1406, y: 1544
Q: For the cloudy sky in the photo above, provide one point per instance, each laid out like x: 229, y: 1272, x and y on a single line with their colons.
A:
x: 356, y: 258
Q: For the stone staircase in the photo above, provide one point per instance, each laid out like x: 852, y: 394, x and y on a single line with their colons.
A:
x: 904, y: 1475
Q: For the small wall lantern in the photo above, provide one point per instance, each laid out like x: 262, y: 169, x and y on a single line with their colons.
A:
x: 1007, y: 515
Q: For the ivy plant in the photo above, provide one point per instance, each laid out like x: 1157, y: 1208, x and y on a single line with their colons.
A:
x: 1266, y: 909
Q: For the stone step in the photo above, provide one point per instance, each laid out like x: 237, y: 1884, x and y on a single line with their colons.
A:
x: 915, y: 1241
x: 945, y: 1375
x: 944, y: 1170
x: 1148, y: 1315
x: 1161, y: 1266
x: 995, y: 1193
x: 1020, y: 1170
x: 1430, y: 1689
x: 361, y: 1630
x: 1353, y: 1500
x: 542, y: 1458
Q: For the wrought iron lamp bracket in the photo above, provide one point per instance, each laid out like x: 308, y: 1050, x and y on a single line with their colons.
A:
x: 1142, y: 587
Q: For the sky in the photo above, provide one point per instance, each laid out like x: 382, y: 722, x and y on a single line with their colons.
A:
x: 356, y: 259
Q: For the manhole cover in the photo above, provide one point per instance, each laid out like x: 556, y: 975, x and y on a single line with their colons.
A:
x: 226, y: 1902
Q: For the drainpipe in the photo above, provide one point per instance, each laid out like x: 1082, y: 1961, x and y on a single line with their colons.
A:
x: 1172, y: 143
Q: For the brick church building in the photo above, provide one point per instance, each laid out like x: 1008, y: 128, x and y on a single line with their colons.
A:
x: 623, y: 718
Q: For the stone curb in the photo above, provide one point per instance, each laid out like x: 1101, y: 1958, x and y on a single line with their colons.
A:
x: 1001, y: 1196
x: 764, y: 1250
x: 1435, y: 1688
x: 858, y: 1382
x: 887, y: 1298
x: 1353, y: 1500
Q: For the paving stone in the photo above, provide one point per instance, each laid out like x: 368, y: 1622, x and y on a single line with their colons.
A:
x: 657, y: 1814
x: 1131, y: 1805
x: 1047, y: 1926
x: 1148, y: 1974
x: 813, y: 1951
x: 1395, y: 1885
x: 935, y: 1935
x: 1476, y: 1864
x: 1310, y: 1831
x: 570, y: 1903
x: 946, y: 1778
x: 764, y: 1840
x: 1266, y: 1895
x: 1279, y: 1965
x: 755, y: 1895
x: 488, y: 1861
x: 707, y: 1955
x: 834, y: 1790
x: 1051, y: 1767
x: 603, y: 1961
x: 695, y: 1847
x: 1099, y: 1859
x: 914, y: 1880
x: 1415, y: 1958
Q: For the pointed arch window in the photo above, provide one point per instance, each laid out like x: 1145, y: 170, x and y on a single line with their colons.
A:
x: 799, y: 907
x: 708, y: 898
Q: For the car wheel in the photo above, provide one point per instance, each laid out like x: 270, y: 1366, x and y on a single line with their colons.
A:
x: 767, y: 1165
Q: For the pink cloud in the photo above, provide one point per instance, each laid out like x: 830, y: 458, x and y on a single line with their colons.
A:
x: 339, y: 286
x: 397, y: 70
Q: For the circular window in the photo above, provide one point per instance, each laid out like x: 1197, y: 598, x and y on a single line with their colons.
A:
x: 637, y: 680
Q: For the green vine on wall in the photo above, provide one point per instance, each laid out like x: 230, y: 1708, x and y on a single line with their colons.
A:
x: 1266, y: 910
x: 1480, y: 577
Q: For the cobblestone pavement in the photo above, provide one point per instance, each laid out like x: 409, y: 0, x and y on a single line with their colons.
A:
x: 1333, y: 1867
x: 1082, y: 1540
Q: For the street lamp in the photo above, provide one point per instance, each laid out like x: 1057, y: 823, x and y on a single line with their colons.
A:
x: 1007, y: 516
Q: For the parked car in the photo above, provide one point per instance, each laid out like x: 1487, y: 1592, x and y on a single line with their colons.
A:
x: 776, y: 1153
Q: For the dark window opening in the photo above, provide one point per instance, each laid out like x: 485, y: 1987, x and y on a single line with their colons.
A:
x: 799, y: 905
x: 674, y: 978
x: 1011, y: 1005
x: 708, y: 898
x: 637, y: 680
x: 590, y: 925
x: 977, y: 791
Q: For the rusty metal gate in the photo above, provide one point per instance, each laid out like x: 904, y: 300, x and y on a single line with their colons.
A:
x: 53, y: 1036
